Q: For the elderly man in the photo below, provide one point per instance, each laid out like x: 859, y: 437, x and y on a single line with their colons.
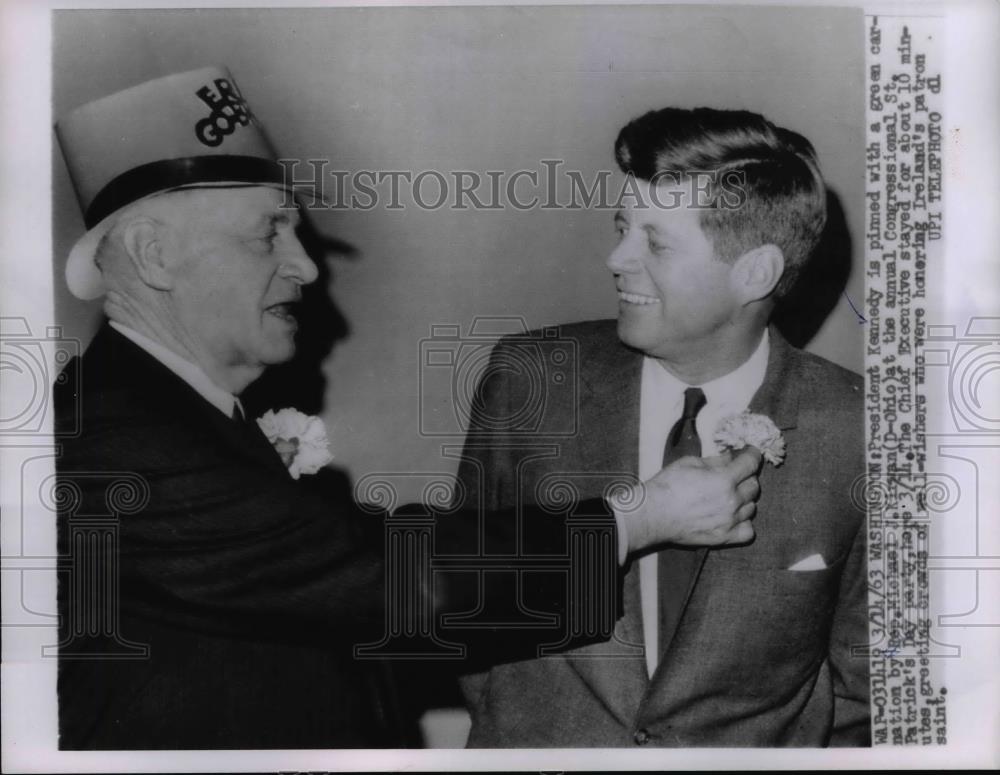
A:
x: 212, y: 599
x: 743, y: 645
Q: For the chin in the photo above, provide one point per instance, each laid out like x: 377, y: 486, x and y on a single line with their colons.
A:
x: 632, y: 336
x: 279, y: 353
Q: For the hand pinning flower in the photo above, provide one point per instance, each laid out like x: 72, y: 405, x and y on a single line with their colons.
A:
x: 752, y: 430
x: 300, y: 439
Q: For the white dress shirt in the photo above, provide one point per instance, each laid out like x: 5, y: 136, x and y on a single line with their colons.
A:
x: 191, y: 373
x: 661, y: 406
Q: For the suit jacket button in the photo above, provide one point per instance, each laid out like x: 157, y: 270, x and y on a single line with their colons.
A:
x: 641, y: 737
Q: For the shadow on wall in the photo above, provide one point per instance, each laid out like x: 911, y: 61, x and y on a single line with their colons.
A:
x: 801, y: 313
x: 300, y: 382
x: 410, y: 689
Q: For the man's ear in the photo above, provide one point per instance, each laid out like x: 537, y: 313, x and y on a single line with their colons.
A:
x: 141, y: 237
x: 756, y: 273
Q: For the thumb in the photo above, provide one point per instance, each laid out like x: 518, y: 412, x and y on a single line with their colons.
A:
x: 721, y: 460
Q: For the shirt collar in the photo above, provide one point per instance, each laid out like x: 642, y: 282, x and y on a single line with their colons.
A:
x: 736, y: 387
x: 191, y: 373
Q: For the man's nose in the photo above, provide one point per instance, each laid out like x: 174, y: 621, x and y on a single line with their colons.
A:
x: 622, y: 258
x: 296, y: 264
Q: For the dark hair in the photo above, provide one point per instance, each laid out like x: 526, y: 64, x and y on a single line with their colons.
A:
x: 784, y: 197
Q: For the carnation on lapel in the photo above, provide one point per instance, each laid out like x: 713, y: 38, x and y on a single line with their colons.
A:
x: 752, y: 430
x: 299, y: 438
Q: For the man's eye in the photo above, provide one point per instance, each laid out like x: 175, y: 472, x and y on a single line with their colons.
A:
x: 656, y: 247
x: 621, y: 231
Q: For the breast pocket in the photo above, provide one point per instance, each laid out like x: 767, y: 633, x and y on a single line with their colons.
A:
x: 774, y: 613
x: 800, y: 588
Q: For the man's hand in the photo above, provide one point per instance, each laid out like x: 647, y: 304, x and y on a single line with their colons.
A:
x: 694, y: 502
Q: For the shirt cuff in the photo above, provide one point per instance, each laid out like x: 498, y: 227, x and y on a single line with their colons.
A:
x: 622, y: 536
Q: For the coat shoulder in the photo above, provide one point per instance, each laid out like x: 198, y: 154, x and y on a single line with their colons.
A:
x: 825, y: 384
x: 123, y: 410
x: 831, y: 410
x: 585, y: 336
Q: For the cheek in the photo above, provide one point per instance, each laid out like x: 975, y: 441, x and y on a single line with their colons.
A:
x: 683, y: 286
x: 695, y: 294
x: 226, y: 314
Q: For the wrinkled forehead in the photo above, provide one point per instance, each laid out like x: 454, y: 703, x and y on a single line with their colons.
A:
x: 240, y: 207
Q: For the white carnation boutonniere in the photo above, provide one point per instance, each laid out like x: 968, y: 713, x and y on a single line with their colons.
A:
x: 752, y: 430
x: 300, y: 439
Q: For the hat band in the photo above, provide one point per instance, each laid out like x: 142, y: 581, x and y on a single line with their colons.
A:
x: 168, y: 174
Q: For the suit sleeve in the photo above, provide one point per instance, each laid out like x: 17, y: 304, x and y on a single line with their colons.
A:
x: 852, y: 715
x: 506, y: 519
x: 222, y: 546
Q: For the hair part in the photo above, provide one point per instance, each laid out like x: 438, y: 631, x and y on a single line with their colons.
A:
x: 782, y: 197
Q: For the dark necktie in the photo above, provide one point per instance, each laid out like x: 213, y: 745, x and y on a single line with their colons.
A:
x: 254, y: 438
x: 677, y: 566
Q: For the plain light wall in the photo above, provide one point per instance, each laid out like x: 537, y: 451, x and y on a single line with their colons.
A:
x: 474, y: 88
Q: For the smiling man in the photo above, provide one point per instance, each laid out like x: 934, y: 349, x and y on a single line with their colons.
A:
x: 757, y: 643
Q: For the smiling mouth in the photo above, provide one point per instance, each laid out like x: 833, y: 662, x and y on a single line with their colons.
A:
x: 637, y: 298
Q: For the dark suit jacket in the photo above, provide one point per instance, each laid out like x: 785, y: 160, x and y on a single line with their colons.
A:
x: 762, y: 655
x: 208, y: 600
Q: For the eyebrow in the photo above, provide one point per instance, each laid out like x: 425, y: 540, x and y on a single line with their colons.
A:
x: 649, y: 228
x: 283, y: 217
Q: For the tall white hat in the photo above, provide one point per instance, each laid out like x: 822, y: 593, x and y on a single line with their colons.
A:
x: 188, y: 130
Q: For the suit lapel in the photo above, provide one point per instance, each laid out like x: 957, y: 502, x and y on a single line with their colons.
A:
x: 609, y: 428
x: 124, y: 361
x: 772, y: 400
x: 776, y: 399
x: 246, y: 439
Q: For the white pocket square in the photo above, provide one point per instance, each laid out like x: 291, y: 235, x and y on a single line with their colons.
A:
x: 812, y: 562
